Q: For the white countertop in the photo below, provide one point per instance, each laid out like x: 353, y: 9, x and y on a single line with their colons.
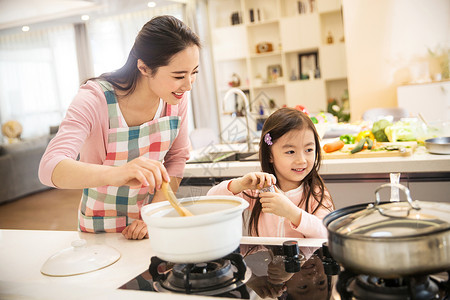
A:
x: 420, y: 162
x: 23, y: 252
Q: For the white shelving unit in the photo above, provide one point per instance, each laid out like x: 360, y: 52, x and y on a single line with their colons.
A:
x: 290, y: 33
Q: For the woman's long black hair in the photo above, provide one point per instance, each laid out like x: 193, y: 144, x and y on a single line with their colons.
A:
x: 158, y: 41
x: 278, y: 124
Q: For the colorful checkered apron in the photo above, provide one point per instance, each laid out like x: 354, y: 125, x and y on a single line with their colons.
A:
x: 109, y: 208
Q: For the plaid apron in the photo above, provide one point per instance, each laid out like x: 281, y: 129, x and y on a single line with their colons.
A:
x: 109, y: 208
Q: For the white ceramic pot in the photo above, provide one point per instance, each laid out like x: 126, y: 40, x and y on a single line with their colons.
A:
x: 215, y: 229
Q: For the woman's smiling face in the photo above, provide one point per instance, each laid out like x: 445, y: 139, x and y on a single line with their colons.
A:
x: 293, y: 157
x: 172, y: 81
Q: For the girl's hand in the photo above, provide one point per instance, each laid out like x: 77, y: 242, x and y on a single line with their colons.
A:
x: 264, y: 289
x: 276, y: 272
x: 139, y: 172
x: 277, y: 203
x: 136, y: 230
x: 251, y: 181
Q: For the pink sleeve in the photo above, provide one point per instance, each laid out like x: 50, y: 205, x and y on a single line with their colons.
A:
x: 85, y: 118
x: 311, y: 225
x: 176, y: 157
x: 222, y: 189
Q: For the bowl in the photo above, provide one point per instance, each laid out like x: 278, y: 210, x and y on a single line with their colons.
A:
x: 439, y: 145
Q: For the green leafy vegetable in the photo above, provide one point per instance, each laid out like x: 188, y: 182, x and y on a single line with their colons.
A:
x: 401, y: 131
x: 378, y: 130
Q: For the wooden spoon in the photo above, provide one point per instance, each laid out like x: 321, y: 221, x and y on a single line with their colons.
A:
x: 168, y: 193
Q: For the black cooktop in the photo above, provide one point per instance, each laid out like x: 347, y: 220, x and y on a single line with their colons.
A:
x: 284, y: 272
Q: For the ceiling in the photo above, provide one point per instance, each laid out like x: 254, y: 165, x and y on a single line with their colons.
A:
x: 17, y: 13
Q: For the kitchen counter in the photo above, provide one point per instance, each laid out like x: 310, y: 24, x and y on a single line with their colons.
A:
x: 350, y: 181
x: 420, y: 162
x: 23, y: 252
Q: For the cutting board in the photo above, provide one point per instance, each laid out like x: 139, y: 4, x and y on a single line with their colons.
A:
x: 409, y: 148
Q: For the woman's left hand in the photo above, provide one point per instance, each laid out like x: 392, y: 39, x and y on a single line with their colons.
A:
x: 277, y: 203
x: 136, y: 230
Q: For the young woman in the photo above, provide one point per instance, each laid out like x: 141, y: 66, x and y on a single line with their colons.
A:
x: 289, y: 153
x: 129, y: 129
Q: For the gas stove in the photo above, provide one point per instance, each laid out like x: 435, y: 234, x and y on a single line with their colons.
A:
x: 284, y: 271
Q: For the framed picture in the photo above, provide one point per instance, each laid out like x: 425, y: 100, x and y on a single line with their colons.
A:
x: 308, y: 65
x: 274, y: 72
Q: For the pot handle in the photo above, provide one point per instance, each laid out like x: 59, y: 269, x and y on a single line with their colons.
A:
x: 399, y: 186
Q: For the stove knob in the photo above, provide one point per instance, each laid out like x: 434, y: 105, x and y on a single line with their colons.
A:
x: 331, y: 267
x: 291, y: 260
x: 290, y: 249
x: 326, y: 250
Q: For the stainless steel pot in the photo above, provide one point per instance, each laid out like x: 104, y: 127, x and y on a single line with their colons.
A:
x: 439, y: 145
x: 391, y: 239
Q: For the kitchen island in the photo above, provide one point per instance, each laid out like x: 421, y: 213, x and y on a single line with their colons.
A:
x: 350, y: 181
x: 23, y: 252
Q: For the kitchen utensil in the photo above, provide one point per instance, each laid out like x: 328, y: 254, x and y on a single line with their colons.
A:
x: 391, y: 239
x: 79, y: 259
x: 439, y: 145
x: 213, y: 231
x: 422, y: 118
x: 169, y: 194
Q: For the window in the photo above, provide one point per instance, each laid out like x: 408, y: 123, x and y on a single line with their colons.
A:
x: 39, y: 77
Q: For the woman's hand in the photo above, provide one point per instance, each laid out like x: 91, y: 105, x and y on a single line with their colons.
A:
x: 251, y: 181
x: 136, y: 230
x: 277, y: 203
x: 139, y: 172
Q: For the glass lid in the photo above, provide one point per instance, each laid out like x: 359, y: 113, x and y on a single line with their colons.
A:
x: 80, y: 258
x: 395, y: 219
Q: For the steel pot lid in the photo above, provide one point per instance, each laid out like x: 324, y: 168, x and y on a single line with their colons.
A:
x: 79, y: 259
x: 395, y: 219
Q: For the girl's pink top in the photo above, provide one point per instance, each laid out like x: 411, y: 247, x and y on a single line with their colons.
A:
x: 310, y: 226
x: 84, y: 131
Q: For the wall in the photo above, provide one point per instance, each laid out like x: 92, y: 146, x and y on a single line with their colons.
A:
x: 384, y: 39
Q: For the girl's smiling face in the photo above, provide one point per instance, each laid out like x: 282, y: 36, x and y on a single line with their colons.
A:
x: 172, y: 81
x: 293, y: 157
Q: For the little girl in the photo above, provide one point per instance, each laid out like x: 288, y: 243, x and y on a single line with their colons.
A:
x: 290, y: 155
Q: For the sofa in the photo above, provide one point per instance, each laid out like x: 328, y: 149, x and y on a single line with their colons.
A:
x: 19, y: 165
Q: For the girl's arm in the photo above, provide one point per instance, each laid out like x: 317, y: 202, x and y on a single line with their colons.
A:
x: 311, y: 225
x: 222, y: 189
x: 251, y: 181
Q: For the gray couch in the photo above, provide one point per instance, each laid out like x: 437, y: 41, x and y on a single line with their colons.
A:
x: 19, y: 164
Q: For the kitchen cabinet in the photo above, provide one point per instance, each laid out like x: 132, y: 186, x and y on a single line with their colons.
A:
x: 432, y: 100
x: 286, y: 31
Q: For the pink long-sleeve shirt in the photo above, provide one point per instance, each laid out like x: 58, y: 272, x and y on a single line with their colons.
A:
x: 271, y: 225
x: 84, y: 131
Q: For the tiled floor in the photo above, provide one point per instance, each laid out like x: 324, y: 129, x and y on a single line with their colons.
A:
x: 48, y: 210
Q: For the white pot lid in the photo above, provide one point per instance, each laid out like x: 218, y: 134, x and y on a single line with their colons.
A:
x: 80, y: 259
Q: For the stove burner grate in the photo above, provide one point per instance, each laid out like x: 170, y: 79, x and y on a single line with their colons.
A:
x: 418, y: 287
x: 210, y: 278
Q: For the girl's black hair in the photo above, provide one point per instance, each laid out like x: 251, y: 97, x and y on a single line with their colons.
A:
x: 278, y: 124
x: 156, y: 43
